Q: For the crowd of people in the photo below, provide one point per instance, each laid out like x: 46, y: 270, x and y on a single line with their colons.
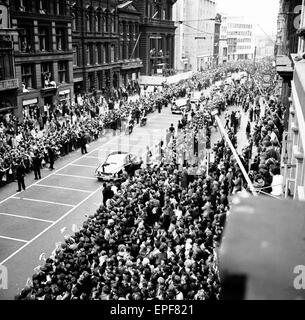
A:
x: 157, y: 233
x: 61, y: 128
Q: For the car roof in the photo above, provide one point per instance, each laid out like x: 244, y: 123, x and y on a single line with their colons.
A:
x: 118, y: 156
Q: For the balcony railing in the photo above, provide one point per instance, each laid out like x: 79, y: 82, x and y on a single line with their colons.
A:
x: 9, y: 84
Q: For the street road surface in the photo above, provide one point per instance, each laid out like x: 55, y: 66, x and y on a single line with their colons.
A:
x: 33, y: 221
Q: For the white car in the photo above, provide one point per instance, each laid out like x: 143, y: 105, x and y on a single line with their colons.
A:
x: 116, y: 162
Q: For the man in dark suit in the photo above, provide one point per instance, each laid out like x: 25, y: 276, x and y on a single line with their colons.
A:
x: 83, y: 143
x: 107, y: 193
x: 37, y: 165
x: 20, y: 173
x: 51, y: 154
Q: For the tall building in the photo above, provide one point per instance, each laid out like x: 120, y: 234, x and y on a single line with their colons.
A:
x: 217, y: 39
x: 9, y: 83
x: 157, y: 39
x: 195, y: 35
x: 223, y: 41
x: 182, y: 62
x: 43, y: 54
x: 240, y: 40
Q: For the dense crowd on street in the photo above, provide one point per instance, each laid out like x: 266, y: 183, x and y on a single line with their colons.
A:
x: 62, y: 128
x: 157, y: 233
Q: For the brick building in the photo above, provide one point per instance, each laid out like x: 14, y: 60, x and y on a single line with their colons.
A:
x: 8, y: 82
x: 43, y: 53
x: 157, y: 35
x: 129, y: 26
x: 105, y: 35
x: 96, y: 39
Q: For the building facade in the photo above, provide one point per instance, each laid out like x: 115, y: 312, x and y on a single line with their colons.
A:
x: 182, y: 62
x: 293, y: 163
x: 43, y: 54
x: 195, y: 35
x: 96, y: 41
x: 223, y: 41
x: 240, y: 40
x: 217, y: 39
x: 9, y: 83
x: 105, y: 45
x: 157, y: 35
x: 129, y: 26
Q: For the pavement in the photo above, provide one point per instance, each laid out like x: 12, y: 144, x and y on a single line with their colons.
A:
x: 34, y: 221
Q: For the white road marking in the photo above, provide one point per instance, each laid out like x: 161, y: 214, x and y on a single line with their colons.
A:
x: 63, y: 188
x: 25, y: 217
x: 82, y: 165
x: 91, y: 157
x: 57, y: 174
x: 44, y: 201
x: 51, y: 225
x: 74, y: 176
x: 14, y: 239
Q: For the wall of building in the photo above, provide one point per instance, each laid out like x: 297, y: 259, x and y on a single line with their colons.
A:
x: 43, y: 54
x: 195, y: 54
x: 240, y: 40
x: 157, y: 39
x: 223, y: 43
x: 179, y: 14
x: 293, y: 163
x: 8, y: 82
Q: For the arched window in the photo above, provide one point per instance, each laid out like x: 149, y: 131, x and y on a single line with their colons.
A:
x: 98, y: 22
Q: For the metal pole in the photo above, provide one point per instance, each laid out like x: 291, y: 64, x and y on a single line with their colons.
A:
x: 241, y: 166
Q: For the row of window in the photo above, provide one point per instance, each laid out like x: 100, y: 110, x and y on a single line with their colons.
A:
x: 244, y: 40
x: 27, y: 38
x: 239, y: 33
x: 100, y: 23
x: 158, y: 11
x: 28, y: 74
x: 243, y: 47
x: 239, y: 26
x: 104, y: 53
x: 54, y: 7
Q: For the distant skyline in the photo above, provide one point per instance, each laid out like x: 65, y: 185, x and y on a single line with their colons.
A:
x: 261, y: 13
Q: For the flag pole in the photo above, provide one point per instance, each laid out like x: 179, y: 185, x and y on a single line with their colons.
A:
x: 134, y: 48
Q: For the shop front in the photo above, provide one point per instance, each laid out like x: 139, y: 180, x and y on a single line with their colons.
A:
x: 65, y: 96
x: 130, y: 71
x: 8, y: 106
x: 30, y: 108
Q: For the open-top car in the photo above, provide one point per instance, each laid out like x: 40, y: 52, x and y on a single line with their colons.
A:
x: 180, y: 105
x: 116, y: 162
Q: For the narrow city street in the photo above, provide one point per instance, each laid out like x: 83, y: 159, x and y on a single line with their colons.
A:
x: 33, y: 221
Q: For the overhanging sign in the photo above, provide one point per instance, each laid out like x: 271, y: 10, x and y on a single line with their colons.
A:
x: 29, y: 102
